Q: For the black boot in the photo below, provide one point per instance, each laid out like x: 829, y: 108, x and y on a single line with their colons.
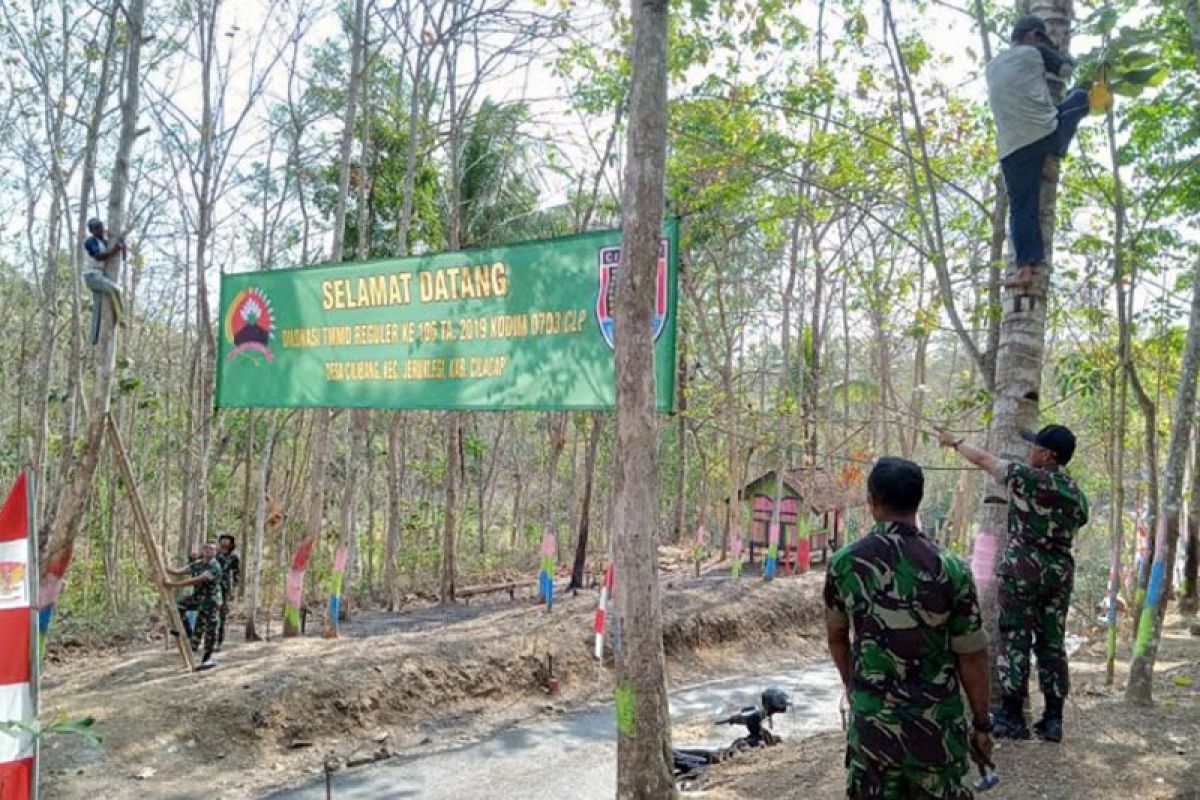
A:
x: 1009, y: 721
x: 1050, y: 727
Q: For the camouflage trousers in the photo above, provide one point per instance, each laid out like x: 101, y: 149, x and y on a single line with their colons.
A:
x: 883, y: 759
x: 1033, y: 617
x: 206, y: 629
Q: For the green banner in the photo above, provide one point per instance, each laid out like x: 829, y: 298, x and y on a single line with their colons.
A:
x: 525, y: 326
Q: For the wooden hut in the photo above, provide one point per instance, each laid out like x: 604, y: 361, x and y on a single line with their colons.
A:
x: 812, y: 515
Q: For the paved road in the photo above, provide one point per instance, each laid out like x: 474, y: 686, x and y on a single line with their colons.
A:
x: 574, y: 755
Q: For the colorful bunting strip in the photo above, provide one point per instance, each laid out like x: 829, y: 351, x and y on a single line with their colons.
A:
x: 335, y: 594
x: 772, y: 551
x: 294, y: 585
x: 548, y: 552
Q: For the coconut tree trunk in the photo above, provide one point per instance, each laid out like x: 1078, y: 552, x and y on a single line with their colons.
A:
x: 1019, y: 355
x: 643, y: 723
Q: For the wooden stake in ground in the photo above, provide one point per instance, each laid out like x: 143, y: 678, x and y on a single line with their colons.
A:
x: 141, y: 524
x: 643, y: 723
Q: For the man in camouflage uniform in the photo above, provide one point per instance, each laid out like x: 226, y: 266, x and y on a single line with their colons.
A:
x: 1045, y: 509
x: 206, y: 594
x: 905, y: 632
x: 231, y: 576
x: 187, y: 604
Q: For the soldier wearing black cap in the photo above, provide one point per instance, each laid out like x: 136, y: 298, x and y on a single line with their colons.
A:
x: 1029, y: 129
x: 1045, y: 509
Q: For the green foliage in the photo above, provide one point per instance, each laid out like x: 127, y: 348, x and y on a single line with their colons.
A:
x: 62, y: 726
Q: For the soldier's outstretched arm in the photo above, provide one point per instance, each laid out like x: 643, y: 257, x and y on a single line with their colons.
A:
x: 976, y: 455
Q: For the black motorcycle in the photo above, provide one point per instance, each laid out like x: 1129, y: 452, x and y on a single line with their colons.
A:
x: 691, y: 761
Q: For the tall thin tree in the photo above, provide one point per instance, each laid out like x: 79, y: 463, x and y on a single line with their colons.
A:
x: 68, y: 515
x: 1149, y: 631
x: 643, y: 721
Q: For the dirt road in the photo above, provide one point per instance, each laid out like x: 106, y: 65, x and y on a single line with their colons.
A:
x: 574, y: 755
x: 273, y: 712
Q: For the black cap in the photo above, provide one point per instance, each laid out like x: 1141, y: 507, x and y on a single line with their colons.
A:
x: 1030, y: 24
x: 94, y: 223
x: 1058, y: 439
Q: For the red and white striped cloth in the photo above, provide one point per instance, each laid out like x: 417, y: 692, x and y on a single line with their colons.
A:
x: 602, y: 611
x: 16, y: 645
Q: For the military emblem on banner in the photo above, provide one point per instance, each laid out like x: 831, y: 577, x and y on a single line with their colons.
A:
x: 248, y: 325
x: 606, y: 298
x: 12, y: 582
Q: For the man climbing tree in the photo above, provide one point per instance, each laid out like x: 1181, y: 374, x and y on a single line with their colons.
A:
x: 97, y: 279
x: 1030, y: 129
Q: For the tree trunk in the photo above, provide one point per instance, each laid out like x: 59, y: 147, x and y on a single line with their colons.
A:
x: 518, y: 512
x: 1124, y: 280
x: 1188, y: 600
x: 69, y: 513
x: 320, y: 458
x: 585, y: 509
x: 680, y: 514
x: 397, y: 441
x: 450, y: 520
x: 643, y: 723
x: 261, y: 510
x: 1018, y: 359
x: 556, y: 431
x: 1149, y: 632
x: 358, y: 423
x: 1116, y: 522
x: 314, y: 518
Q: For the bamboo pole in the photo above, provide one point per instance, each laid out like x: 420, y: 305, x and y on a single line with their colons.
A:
x: 142, y: 524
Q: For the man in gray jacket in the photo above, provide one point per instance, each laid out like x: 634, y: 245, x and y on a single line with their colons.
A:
x: 1029, y: 129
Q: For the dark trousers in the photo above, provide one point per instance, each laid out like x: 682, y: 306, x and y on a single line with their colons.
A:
x: 185, y: 605
x: 222, y: 612
x: 1023, y: 179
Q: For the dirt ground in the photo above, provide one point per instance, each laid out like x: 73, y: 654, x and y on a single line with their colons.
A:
x: 425, y: 678
x: 1111, y: 751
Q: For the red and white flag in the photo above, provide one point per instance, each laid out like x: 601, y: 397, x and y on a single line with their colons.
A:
x: 17, y: 618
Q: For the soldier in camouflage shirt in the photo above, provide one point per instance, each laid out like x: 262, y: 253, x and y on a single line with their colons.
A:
x: 206, y: 594
x: 1045, y: 509
x: 231, y: 576
x: 906, y: 634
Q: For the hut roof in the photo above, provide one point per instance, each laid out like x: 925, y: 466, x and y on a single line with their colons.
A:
x: 818, y: 488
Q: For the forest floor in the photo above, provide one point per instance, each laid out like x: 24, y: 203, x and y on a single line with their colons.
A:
x: 1111, y: 751
x: 425, y: 678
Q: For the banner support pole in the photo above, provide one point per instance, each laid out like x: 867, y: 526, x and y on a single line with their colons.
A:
x: 142, y: 525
